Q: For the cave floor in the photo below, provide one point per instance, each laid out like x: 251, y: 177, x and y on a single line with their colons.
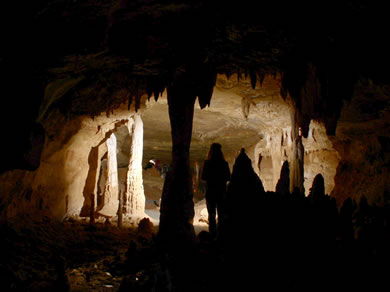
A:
x: 76, y: 256
x: 69, y: 256
x: 43, y: 255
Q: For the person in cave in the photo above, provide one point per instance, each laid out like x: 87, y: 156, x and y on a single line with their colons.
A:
x: 153, y: 163
x: 163, y: 170
x: 216, y: 174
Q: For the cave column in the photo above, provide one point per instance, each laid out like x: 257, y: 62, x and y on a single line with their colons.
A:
x: 298, y: 153
x: 135, y: 197
x: 110, y: 195
x: 177, y: 207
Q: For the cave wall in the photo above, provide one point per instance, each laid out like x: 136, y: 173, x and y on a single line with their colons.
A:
x: 56, y: 188
x: 363, y: 142
x: 101, y: 54
x: 320, y: 157
x: 363, y: 170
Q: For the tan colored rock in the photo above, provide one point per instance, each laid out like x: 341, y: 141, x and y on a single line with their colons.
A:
x: 134, y: 196
x: 56, y: 188
x: 65, y: 177
x: 111, y: 189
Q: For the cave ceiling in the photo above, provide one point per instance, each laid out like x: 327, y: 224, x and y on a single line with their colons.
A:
x: 224, y: 121
x: 87, y: 57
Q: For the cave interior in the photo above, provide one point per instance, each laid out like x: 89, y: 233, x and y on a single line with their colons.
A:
x: 109, y: 109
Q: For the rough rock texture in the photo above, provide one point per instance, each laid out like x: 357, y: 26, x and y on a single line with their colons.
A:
x: 56, y: 188
x: 362, y: 140
x: 65, y: 62
x: 109, y: 204
x: 134, y: 195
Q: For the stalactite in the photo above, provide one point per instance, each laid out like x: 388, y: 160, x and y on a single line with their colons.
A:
x: 252, y: 75
x: 261, y: 77
x: 150, y: 87
x: 110, y: 195
x: 135, y: 197
x: 156, y: 93
x: 228, y: 74
x: 206, y: 91
x: 130, y: 100
x: 283, y: 92
x: 137, y: 102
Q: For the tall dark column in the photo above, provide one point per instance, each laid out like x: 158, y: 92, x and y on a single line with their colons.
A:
x: 177, y: 207
x: 298, y: 153
x: 90, y: 183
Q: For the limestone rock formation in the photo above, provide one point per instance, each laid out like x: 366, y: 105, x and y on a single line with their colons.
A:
x: 134, y: 195
x: 110, y: 201
x: 313, y: 94
x: 63, y: 184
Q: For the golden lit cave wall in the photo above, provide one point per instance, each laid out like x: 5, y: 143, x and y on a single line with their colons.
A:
x: 276, y: 147
x: 56, y: 188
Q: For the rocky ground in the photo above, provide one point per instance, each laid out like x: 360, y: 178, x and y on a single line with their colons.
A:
x: 72, y: 256
x: 290, y: 243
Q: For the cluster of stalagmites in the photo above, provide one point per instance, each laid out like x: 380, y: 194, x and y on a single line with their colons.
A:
x: 113, y: 200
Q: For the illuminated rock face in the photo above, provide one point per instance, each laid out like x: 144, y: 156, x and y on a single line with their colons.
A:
x: 84, y: 82
x: 319, y: 157
x: 135, y: 197
x: 72, y: 155
x: 110, y: 195
x: 69, y: 168
x: 265, y: 133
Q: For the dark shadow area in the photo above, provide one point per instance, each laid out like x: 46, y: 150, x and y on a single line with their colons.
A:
x: 268, y: 240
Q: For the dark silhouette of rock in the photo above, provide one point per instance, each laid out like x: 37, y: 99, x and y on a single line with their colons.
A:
x: 283, y: 185
x: 245, y: 185
x: 317, y: 190
x: 243, y: 198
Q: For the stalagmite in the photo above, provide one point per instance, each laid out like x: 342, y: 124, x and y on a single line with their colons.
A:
x: 110, y: 200
x: 134, y: 205
x: 283, y: 185
x: 120, y: 209
x: 296, y: 171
